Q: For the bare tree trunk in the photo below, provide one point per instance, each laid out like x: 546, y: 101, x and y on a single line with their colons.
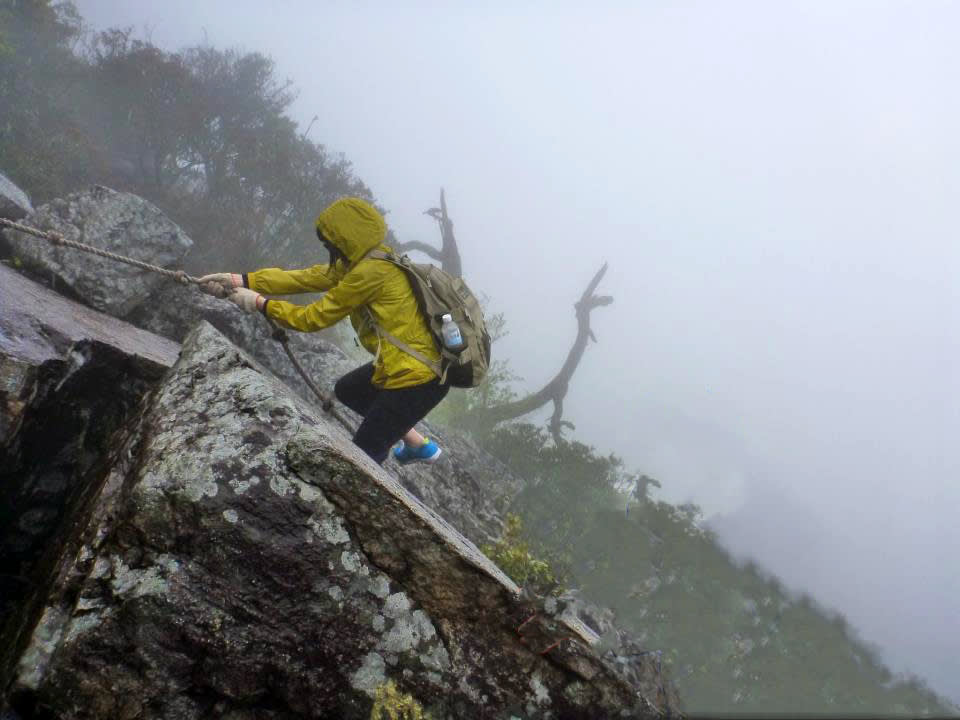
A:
x: 449, y: 254
x: 556, y: 390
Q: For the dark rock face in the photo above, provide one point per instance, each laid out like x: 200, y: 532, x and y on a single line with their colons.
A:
x: 243, y: 559
x: 14, y: 203
x: 70, y: 378
x: 109, y: 220
x: 37, y: 326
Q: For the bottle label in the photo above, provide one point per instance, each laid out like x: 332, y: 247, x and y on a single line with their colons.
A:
x: 451, y: 336
x: 453, y: 339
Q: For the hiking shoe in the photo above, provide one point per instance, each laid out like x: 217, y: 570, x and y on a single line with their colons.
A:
x: 428, y: 452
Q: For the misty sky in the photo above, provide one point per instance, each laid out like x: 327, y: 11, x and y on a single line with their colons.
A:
x: 775, y: 188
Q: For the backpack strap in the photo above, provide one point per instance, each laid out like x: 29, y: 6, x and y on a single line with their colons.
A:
x: 391, y: 338
x: 403, y: 262
x: 389, y: 257
x: 376, y: 255
x: 400, y: 344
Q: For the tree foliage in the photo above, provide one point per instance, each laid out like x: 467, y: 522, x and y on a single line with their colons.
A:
x: 513, y: 554
x: 41, y: 146
x: 205, y: 133
x: 733, y: 639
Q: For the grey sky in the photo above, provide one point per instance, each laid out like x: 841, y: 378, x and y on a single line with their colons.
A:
x: 774, y: 186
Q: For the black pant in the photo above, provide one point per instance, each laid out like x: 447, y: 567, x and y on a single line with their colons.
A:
x: 387, y: 414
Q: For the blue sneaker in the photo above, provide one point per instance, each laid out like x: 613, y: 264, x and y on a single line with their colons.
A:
x: 428, y: 452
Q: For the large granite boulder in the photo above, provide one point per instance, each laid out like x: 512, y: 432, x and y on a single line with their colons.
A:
x: 14, y: 203
x: 109, y: 220
x: 468, y: 486
x: 242, y: 559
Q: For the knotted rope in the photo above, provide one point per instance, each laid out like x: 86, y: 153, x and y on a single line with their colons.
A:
x: 277, y: 333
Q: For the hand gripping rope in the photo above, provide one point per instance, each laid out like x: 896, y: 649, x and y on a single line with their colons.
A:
x: 277, y: 333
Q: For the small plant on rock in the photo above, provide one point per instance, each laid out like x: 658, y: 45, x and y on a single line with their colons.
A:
x: 513, y: 555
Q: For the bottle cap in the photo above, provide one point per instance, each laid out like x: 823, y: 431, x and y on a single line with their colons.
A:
x: 447, y: 317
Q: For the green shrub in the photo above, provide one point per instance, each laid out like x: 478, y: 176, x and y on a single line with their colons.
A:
x: 513, y: 555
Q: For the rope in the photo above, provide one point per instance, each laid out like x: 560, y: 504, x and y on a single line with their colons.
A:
x: 58, y: 239
x: 280, y: 335
x: 180, y: 276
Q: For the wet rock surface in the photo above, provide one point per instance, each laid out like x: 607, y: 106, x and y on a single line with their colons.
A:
x: 70, y: 378
x: 108, y: 220
x: 244, y: 559
x: 14, y: 203
x: 38, y: 325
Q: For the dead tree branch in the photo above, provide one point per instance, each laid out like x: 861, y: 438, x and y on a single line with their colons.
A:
x: 449, y: 253
x: 556, y: 390
x: 406, y: 247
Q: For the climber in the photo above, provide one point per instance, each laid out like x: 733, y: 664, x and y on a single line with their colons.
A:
x: 396, y: 390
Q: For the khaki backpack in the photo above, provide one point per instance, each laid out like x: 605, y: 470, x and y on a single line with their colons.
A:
x: 439, y: 293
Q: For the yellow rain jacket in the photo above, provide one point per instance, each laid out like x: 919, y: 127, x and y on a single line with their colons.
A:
x: 355, y: 227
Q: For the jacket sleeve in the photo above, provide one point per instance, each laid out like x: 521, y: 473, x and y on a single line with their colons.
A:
x: 274, y: 281
x: 360, y: 286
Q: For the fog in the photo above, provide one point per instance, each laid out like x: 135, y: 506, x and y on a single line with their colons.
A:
x: 775, y: 188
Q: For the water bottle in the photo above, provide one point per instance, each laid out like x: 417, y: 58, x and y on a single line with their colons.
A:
x: 452, y: 339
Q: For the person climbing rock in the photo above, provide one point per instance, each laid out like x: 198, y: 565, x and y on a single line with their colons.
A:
x: 396, y: 390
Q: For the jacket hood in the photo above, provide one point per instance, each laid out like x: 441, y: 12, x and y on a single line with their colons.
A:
x: 353, y: 225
